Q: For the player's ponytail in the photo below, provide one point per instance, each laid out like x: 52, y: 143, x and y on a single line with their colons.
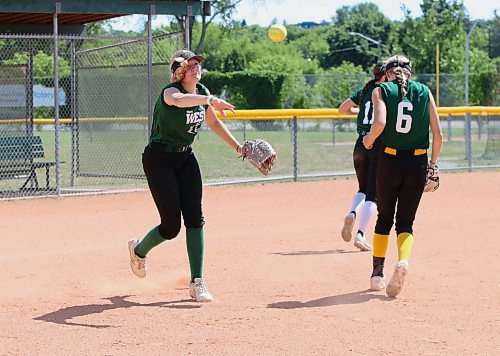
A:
x: 400, y: 66
x: 402, y: 81
x: 378, y: 73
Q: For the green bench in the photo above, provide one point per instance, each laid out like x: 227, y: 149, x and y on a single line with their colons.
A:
x: 19, y: 157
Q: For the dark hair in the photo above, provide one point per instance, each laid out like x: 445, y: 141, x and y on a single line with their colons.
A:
x: 378, y: 73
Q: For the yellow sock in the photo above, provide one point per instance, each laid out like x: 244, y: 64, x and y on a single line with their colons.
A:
x: 380, y: 244
x: 405, y: 244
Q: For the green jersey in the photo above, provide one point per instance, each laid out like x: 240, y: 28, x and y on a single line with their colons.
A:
x: 174, y: 126
x: 407, y: 119
x: 365, y: 116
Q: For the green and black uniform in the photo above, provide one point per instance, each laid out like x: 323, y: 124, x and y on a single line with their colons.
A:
x: 365, y: 161
x: 174, y: 176
x: 402, y: 162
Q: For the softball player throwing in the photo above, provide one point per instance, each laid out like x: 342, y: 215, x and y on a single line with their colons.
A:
x: 404, y: 109
x: 365, y: 161
x: 171, y: 167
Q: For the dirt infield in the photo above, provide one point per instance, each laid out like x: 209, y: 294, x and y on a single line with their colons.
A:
x: 283, y: 284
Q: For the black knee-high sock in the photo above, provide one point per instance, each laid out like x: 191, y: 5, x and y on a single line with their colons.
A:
x: 378, y: 266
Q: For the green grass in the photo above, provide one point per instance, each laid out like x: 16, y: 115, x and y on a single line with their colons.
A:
x: 115, y: 150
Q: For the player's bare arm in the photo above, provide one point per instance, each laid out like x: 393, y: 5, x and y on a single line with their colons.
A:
x: 172, y: 96
x: 348, y: 107
x: 437, y: 132
x: 379, y: 112
x: 221, y: 130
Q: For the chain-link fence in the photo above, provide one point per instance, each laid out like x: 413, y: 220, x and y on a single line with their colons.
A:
x: 96, y: 144
x: 102, y: 110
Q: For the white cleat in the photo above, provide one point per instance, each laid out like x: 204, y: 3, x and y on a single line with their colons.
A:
x: 377, y: 283
x: 361, y: 243
x: 348, y: 225
x: 199, y: 292
x: 137, y: 264
x: 398, y: 279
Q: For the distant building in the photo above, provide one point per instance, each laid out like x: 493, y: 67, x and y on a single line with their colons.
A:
x: 311, y: 24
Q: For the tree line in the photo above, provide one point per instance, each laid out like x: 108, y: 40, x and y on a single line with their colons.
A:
x: 317, y: 66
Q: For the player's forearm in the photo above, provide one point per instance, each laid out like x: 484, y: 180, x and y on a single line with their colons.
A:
x: 347, y: 108
x: 437, y: 142
x: 187, y: 100
x: 375, y: 131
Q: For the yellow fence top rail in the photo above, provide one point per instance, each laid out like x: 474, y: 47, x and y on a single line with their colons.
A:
x: 276, y: 114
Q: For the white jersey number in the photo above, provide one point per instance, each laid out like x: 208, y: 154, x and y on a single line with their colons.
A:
x: 403, y: 122
x: 366, y: 120
x: 193, y: 130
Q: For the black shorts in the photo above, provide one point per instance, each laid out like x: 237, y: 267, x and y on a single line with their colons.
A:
x: 365, y: 165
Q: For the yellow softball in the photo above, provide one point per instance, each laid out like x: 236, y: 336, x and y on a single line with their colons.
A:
x: 277, y: 33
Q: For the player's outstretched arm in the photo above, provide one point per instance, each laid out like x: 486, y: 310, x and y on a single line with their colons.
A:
x: 348, y: 107
x: 437, y: 132
x: 220, y: 129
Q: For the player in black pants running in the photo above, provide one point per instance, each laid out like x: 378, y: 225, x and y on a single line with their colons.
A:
x: 171, y: 167
x: 365, y: 161
x: 404, y: 109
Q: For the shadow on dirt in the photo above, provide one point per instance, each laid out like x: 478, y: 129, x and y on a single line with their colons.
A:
x: 348, y: 298
x: 306, y: 253
x: 64, y: 315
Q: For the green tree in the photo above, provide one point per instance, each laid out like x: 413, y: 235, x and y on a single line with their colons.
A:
x: 220, y: 9
x: 338, y: 83
x: 365, y: 19
x: 43, y: 65
x: 442, y: 22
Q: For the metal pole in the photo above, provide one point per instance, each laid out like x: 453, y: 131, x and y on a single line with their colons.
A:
x: 29, y: 96
x: 333, y: 132
x: 56, y: 99
x: 449, y: 128
x: 187, y: 24
x: 152, y: 10
x: 295, y: 144
x: 468, y: 131
x: 378, y: 43
x: 74, y: 123
x: 437, y: 74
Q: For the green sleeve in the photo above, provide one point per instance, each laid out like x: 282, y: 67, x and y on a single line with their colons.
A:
x: 356, y: 95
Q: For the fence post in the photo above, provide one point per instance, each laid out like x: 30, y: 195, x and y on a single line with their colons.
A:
x: 152, y: 11
x: 333, y: 132
x: 57, y: 10
x: 479, y: 121
x: 74, y: 120
x: 294, y: 140
x: 29, y: 90
x: 468, y: 141
x: 449, y: 127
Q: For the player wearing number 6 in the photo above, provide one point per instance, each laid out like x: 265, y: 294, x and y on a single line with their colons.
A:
x: 171, y: 167
x: 365, y: 161
x: 403, y: 109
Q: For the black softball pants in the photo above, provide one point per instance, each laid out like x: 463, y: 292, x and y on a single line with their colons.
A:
x: 400, y: 184
x: 175, y: 183
x: 365, y: 165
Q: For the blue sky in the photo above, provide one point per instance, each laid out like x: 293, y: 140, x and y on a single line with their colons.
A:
x: 294, y: 11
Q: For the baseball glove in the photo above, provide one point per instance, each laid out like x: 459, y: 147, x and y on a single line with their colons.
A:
x: 432, y: 181
x: 260, y: 153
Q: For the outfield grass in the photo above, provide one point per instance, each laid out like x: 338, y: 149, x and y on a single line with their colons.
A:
x: 116, y: 150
